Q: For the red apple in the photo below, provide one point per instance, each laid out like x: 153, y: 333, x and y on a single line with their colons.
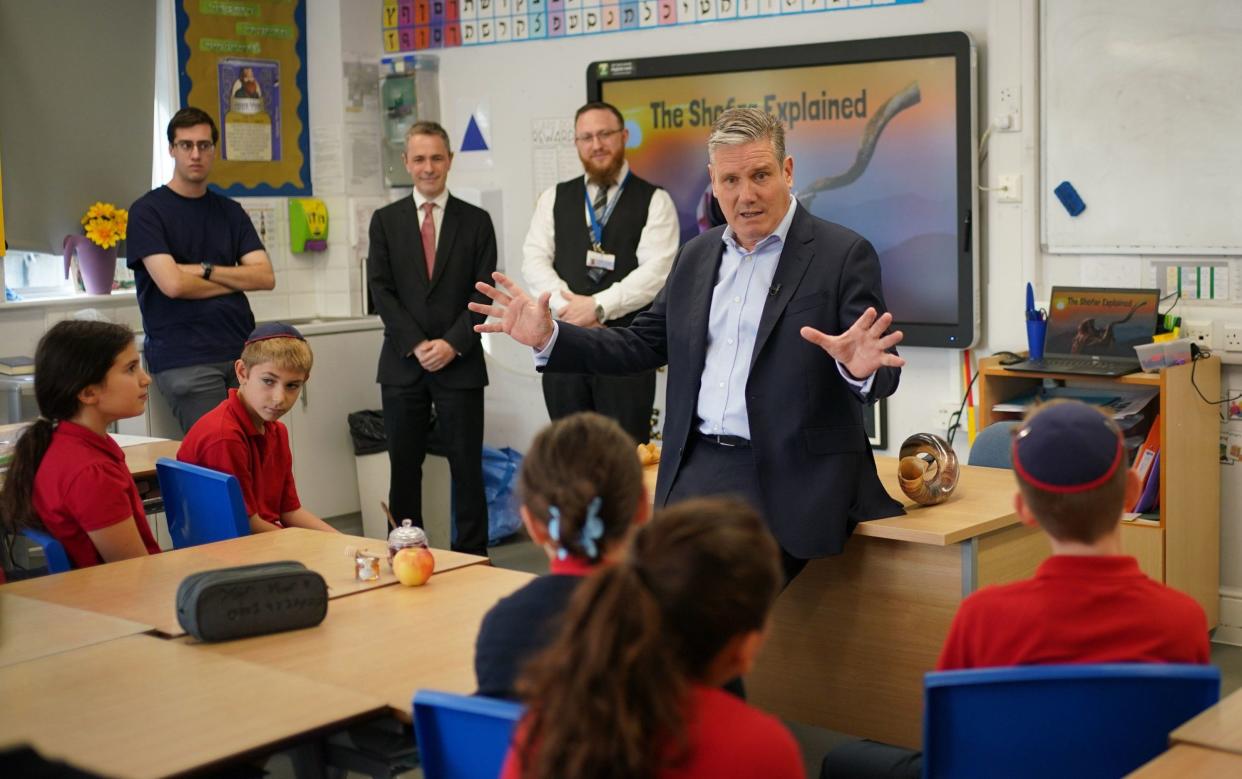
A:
x: 413, y: 565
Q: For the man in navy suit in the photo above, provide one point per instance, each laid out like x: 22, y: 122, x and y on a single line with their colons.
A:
x: 427, y: 253
x: 775, y: 334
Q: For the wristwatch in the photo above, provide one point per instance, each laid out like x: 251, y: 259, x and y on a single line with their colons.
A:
x: 599, y: 313
x: 207, y: 268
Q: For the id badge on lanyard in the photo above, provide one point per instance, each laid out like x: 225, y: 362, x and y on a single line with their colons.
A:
x: 596, y: 257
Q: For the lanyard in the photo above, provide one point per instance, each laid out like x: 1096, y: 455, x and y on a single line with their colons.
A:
x: 597, y: 225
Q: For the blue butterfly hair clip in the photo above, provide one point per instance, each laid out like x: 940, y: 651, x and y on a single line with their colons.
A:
x: 592, y: 530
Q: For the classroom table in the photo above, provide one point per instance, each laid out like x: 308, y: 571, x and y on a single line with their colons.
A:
x: 1219, y: 727
x: 32, y: 628
x: 145, y: 707
x: 1184, y: 760
x: 390, y: 642
x: 852, y: 636
x: 139, y: 458
x: 144, y: 589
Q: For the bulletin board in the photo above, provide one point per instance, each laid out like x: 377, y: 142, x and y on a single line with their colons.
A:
x: 244, y: 63
x: 417, y: 25
x: 1140, y: 113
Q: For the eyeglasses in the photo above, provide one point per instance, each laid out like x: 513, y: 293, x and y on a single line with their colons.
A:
x: 189, y: 146
x: 602, y: 135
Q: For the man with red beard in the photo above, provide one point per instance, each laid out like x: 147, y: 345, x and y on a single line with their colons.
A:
x: 602, y: 245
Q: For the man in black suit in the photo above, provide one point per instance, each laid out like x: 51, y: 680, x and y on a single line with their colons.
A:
x: 775, y: 336
x: 427, y: 253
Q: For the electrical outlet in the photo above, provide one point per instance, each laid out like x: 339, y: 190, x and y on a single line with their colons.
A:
x: 1009, y: 188
x: 1198, y: 332
x: 944, y: 417
x: 1233, y: 338
x: 1008, y: 114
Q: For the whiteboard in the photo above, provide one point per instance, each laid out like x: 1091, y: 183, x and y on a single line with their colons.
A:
x: 1142, y: 113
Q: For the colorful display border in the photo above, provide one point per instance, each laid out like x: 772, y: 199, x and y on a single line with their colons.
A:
x: 421, y: 25
x: 285, y: 188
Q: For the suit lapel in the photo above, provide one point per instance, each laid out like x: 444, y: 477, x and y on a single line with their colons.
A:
x: 700, y: 302
x: 794, y: 260
x: 444, y: 246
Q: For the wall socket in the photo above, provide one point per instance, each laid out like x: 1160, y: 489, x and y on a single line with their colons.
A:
x: 944, y: 415
x: 1008, y: 113
x: 1009, y: 188
x: 1198, y: 332
x: 1233, y: 338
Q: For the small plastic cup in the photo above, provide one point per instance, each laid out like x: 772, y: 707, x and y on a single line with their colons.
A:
x: 1176, y: 352
x: 1151, y: 357
x: 1036, y: 330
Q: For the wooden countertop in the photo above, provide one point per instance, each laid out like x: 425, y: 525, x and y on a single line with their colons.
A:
x: 144, y: 589
x: 1220, y: 727
x: 145, y: 707
x: 390, y: 642
x: 981, y: 503
x: 32, y: 628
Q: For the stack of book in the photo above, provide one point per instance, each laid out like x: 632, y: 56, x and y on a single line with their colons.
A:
x: 16, y: 366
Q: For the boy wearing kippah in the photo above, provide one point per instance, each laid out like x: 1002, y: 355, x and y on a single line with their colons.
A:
x: 1088, y: 602
x: 242, y: 436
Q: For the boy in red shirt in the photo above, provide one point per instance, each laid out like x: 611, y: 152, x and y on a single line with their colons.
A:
x: 1087, y: 603
x: 242, y: 436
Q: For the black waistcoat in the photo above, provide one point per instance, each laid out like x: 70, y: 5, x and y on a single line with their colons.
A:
x: 621, y: 235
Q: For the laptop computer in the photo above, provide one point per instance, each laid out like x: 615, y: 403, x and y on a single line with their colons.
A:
x: 1093, y: 331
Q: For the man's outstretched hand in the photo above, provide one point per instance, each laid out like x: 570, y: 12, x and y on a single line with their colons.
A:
x: 863, y: 349
x: 526, y: 320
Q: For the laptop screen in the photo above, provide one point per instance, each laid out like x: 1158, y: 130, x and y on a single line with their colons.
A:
x: 1100, y: 322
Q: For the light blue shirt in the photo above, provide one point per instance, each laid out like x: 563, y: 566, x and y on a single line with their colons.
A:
x: 741, y: 291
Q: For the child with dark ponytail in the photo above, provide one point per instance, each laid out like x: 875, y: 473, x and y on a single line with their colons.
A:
x: 581, y: 489
x: 630, y: 687
x: 67, y: 476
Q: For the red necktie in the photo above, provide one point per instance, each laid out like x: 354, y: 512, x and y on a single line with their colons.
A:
x: 429, y: 238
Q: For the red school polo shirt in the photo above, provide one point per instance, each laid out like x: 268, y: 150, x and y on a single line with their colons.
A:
x: 226, y: 439
x: 82, y: 485
x: 1077, y: 609
x: 725, y: 737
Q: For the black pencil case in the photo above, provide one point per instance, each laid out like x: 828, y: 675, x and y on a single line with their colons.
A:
x: 251, y: 600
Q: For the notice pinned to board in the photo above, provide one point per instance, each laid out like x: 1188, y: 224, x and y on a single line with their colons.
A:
x: 1199, y: 281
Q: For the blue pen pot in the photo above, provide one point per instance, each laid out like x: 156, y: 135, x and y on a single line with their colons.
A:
x: 1036, y: 331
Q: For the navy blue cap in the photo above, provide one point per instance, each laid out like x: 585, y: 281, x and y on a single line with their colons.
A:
x: 274, y: 330
x: 1067, y: 447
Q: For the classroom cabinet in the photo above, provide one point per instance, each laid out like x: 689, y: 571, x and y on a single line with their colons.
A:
x: 1182, y: 547
x: 342, y: 381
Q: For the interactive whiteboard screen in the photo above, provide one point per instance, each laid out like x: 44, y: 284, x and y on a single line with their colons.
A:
x: 879, y: 131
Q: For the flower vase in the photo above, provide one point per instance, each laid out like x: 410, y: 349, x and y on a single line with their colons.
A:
x: 96, y: 265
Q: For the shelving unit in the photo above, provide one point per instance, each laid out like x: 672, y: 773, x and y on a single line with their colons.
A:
x: 1183, y: 549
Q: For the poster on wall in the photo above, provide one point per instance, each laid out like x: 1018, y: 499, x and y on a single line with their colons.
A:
x: 244, y: 62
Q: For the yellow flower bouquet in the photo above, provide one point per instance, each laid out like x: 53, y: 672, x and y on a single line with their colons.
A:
x: 105, y: 224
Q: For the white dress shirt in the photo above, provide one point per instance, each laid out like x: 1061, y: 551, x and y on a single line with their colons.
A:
x: 657, y: 246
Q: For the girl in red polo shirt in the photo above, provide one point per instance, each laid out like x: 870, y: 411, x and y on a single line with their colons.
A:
x: 631, y: 686
x: 68, y: 477
x: 581, y: 488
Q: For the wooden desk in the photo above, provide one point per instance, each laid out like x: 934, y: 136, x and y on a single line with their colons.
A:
x: 1220, y: 727
x: 144, y: 589
x: 140, y: 458
x: 31, y: 628
x: 853, y: 635
x: 390, y: 642
x: 1184, y: 760
x: 145, y: 707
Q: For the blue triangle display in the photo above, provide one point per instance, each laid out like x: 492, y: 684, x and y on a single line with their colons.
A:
x: 474, y: 138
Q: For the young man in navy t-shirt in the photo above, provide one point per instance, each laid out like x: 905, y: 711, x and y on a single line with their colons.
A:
x: 194, y: 253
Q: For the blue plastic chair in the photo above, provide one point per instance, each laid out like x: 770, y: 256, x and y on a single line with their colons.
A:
x: 202, y: 505
x: 53, y: 551
x: 993, y: 446
x: 462, y: 736
x: 1058, y: 720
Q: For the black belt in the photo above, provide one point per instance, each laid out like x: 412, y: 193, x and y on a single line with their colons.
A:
x: 726, y: 440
